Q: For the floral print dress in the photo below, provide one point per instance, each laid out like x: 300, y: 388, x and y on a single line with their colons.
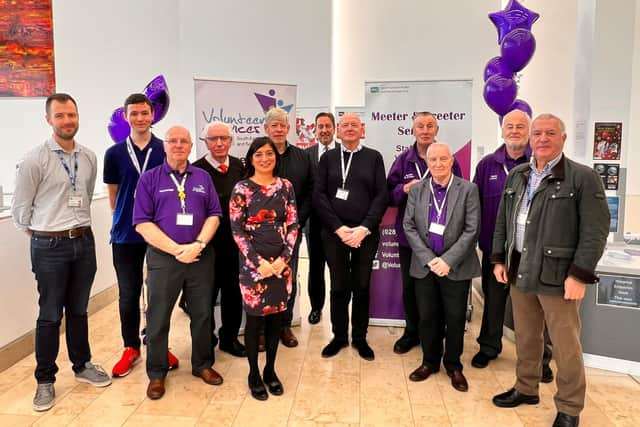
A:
x: 264, y: 223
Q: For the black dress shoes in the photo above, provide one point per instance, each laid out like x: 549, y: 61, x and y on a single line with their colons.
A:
x: 258, y: 391
x: 333, y: 347
x: 547, y: 374
x: 364, y: 350
x: 513, y: 398
x: 481, y: 360
x: 315, y: 316
x: 234, y: 348
x: 422, y: 373
x: 273, y: 383
x: 405, y: 344
x: 565, y: 420
x: 458, y: 381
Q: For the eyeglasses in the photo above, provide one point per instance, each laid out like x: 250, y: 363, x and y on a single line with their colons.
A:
x: 216, y: 138
x: 175, y: 141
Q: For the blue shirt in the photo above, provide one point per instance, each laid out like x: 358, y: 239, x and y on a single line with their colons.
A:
x: 119, y: 169
x: 157, y: 201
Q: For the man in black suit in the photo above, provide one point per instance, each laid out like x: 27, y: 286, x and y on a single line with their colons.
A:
x: 325, y: 129
x: 225, y: 171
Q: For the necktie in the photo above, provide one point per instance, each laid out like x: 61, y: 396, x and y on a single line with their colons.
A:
x: 223, y: 168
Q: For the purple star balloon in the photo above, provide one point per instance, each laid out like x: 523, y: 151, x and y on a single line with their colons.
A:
x: 513, y: 16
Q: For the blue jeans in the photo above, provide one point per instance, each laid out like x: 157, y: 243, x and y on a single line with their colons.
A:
x: 64, y: 269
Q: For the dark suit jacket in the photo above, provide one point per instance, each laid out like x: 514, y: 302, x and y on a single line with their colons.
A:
x: 460, y: 233
x: 313, y: 152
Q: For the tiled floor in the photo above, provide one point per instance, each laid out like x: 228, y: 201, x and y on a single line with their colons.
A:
x: 344, y: 390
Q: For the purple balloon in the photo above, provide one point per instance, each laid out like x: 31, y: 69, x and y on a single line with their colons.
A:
x: 499, y: 93
x: 522, y: 105
x: 496, y: 65
x: 118, y: 127
x: 513, y: 16
x: 158, y: 93
x: 517, y: 48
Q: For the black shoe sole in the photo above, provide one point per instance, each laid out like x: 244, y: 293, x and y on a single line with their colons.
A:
x: 529, y: 401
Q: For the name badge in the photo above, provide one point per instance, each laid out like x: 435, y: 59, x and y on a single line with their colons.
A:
x: 74, y: 201
x: 436, y: 228
x: 522, y: 218
x: 184, y: 219
x: 342, y: 194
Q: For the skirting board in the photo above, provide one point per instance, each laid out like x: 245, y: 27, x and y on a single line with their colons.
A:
x: 611, y: 364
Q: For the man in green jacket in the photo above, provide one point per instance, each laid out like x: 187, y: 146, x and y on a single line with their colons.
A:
x: 551, y: 230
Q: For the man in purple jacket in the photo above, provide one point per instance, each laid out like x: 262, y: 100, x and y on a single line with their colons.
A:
x: 409, y: 168
x: 491, y: 174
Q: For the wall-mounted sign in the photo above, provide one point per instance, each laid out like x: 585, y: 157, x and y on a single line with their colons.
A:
x: 619, y: 291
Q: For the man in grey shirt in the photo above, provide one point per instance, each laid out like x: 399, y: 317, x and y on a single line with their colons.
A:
x: 52, y: 198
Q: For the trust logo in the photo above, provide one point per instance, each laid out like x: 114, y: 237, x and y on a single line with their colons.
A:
x: 269, y: 101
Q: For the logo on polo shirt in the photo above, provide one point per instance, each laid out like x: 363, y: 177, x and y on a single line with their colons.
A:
x: 199, y: 189
x: 409, y: 176
x: 493, y: 177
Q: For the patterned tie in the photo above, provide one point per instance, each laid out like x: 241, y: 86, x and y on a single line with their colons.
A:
x: 223, y: 168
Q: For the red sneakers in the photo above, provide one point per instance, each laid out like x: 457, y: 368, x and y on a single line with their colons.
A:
x: 129, y: 357
x: 173, y: 361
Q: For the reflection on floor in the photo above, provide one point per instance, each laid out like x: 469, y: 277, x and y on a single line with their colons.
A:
x: 344, y: 390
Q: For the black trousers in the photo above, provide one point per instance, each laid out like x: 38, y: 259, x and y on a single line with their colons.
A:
x: 128, y: 261
x: 226, y: 281
x: 442, y: 306
x: 317, y: 260
x: 167, y: 277
x: 411, y: 316
x: 287, y: 315
x: 350, y: 271
x: 496, y: 298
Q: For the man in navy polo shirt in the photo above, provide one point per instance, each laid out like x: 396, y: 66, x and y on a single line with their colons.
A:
x: 123, y: 164
x: 177, y: 211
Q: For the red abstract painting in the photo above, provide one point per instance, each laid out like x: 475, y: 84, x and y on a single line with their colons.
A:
x: 26, y: 48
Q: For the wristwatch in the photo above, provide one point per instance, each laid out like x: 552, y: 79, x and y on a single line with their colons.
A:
x: 200, y: 243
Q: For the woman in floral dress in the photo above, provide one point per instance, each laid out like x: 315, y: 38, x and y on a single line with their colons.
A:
x: 265, y: 226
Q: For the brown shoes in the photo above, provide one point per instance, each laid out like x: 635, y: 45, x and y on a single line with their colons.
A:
x: 458, y: 381
x: 287, y: 338
x: 422, y: 373
x: 209, y: 376
x: 155, y: 390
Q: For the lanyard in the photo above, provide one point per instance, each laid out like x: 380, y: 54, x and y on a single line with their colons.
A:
x: 180, y: 188
x: 73, y: 178
x: 344, y: 171
x: 440, y: 207
x: 420, y: 175
x: 506, y: 171
x: 134, y: 158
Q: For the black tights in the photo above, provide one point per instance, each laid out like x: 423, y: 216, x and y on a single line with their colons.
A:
x: 252, y: 330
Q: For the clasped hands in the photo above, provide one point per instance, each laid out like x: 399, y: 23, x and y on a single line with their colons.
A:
x: 188, y: 253
x: 352, y: 236
x: 272, y: 267
x: 439, y: 266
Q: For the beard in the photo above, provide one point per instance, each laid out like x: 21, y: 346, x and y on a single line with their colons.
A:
x: 66, y: 134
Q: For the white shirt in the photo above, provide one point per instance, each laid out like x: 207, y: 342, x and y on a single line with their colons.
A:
x: 321, y: 150
x: 216, y: 164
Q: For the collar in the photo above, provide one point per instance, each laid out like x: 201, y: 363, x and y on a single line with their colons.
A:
x: 358, y: 148
x: 167, y: 169
x: 500, y: 154
x: 330, y: 146
x: 547, y: 168
x: 54, y: 146
x: 213, y: 162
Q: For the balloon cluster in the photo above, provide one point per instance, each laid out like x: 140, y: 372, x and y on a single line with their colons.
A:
x: 158, y: 93
x: 517, y: 46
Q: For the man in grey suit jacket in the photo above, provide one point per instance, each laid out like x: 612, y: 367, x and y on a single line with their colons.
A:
x: 325, y: 129
x: 442, y: 224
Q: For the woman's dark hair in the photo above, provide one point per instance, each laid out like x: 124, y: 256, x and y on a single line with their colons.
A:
x: 257, y: 144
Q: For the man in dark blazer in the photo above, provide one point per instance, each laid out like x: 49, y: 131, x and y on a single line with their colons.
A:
x: 442, y: 223
x: 324, y: 130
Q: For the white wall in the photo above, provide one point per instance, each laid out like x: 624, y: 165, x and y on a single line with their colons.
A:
x: 412, y: 40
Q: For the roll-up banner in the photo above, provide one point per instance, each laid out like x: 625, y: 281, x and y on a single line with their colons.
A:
x: 390, y: 108
x: 241, y: 105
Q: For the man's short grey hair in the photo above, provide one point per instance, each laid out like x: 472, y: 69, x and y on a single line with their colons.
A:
x: 513, y: 113
x: 276, y: 113
x: 210, y: 125
x: 549, y: 116
x: 439, y: 144
x: 424, y: 114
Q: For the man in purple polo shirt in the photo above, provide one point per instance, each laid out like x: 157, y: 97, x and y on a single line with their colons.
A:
x: 177, y: 211
x: 442, y: 223
x: 491, y: 174
x: 409, y: 168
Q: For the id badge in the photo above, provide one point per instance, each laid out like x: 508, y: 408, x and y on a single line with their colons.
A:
x: 522, y: 218
x: 184, y: 219
x: 436, y: 228
x: 342, y: 194
x: 74, y: 201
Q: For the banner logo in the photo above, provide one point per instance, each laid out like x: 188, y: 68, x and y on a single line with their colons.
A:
x: 269, y: 101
